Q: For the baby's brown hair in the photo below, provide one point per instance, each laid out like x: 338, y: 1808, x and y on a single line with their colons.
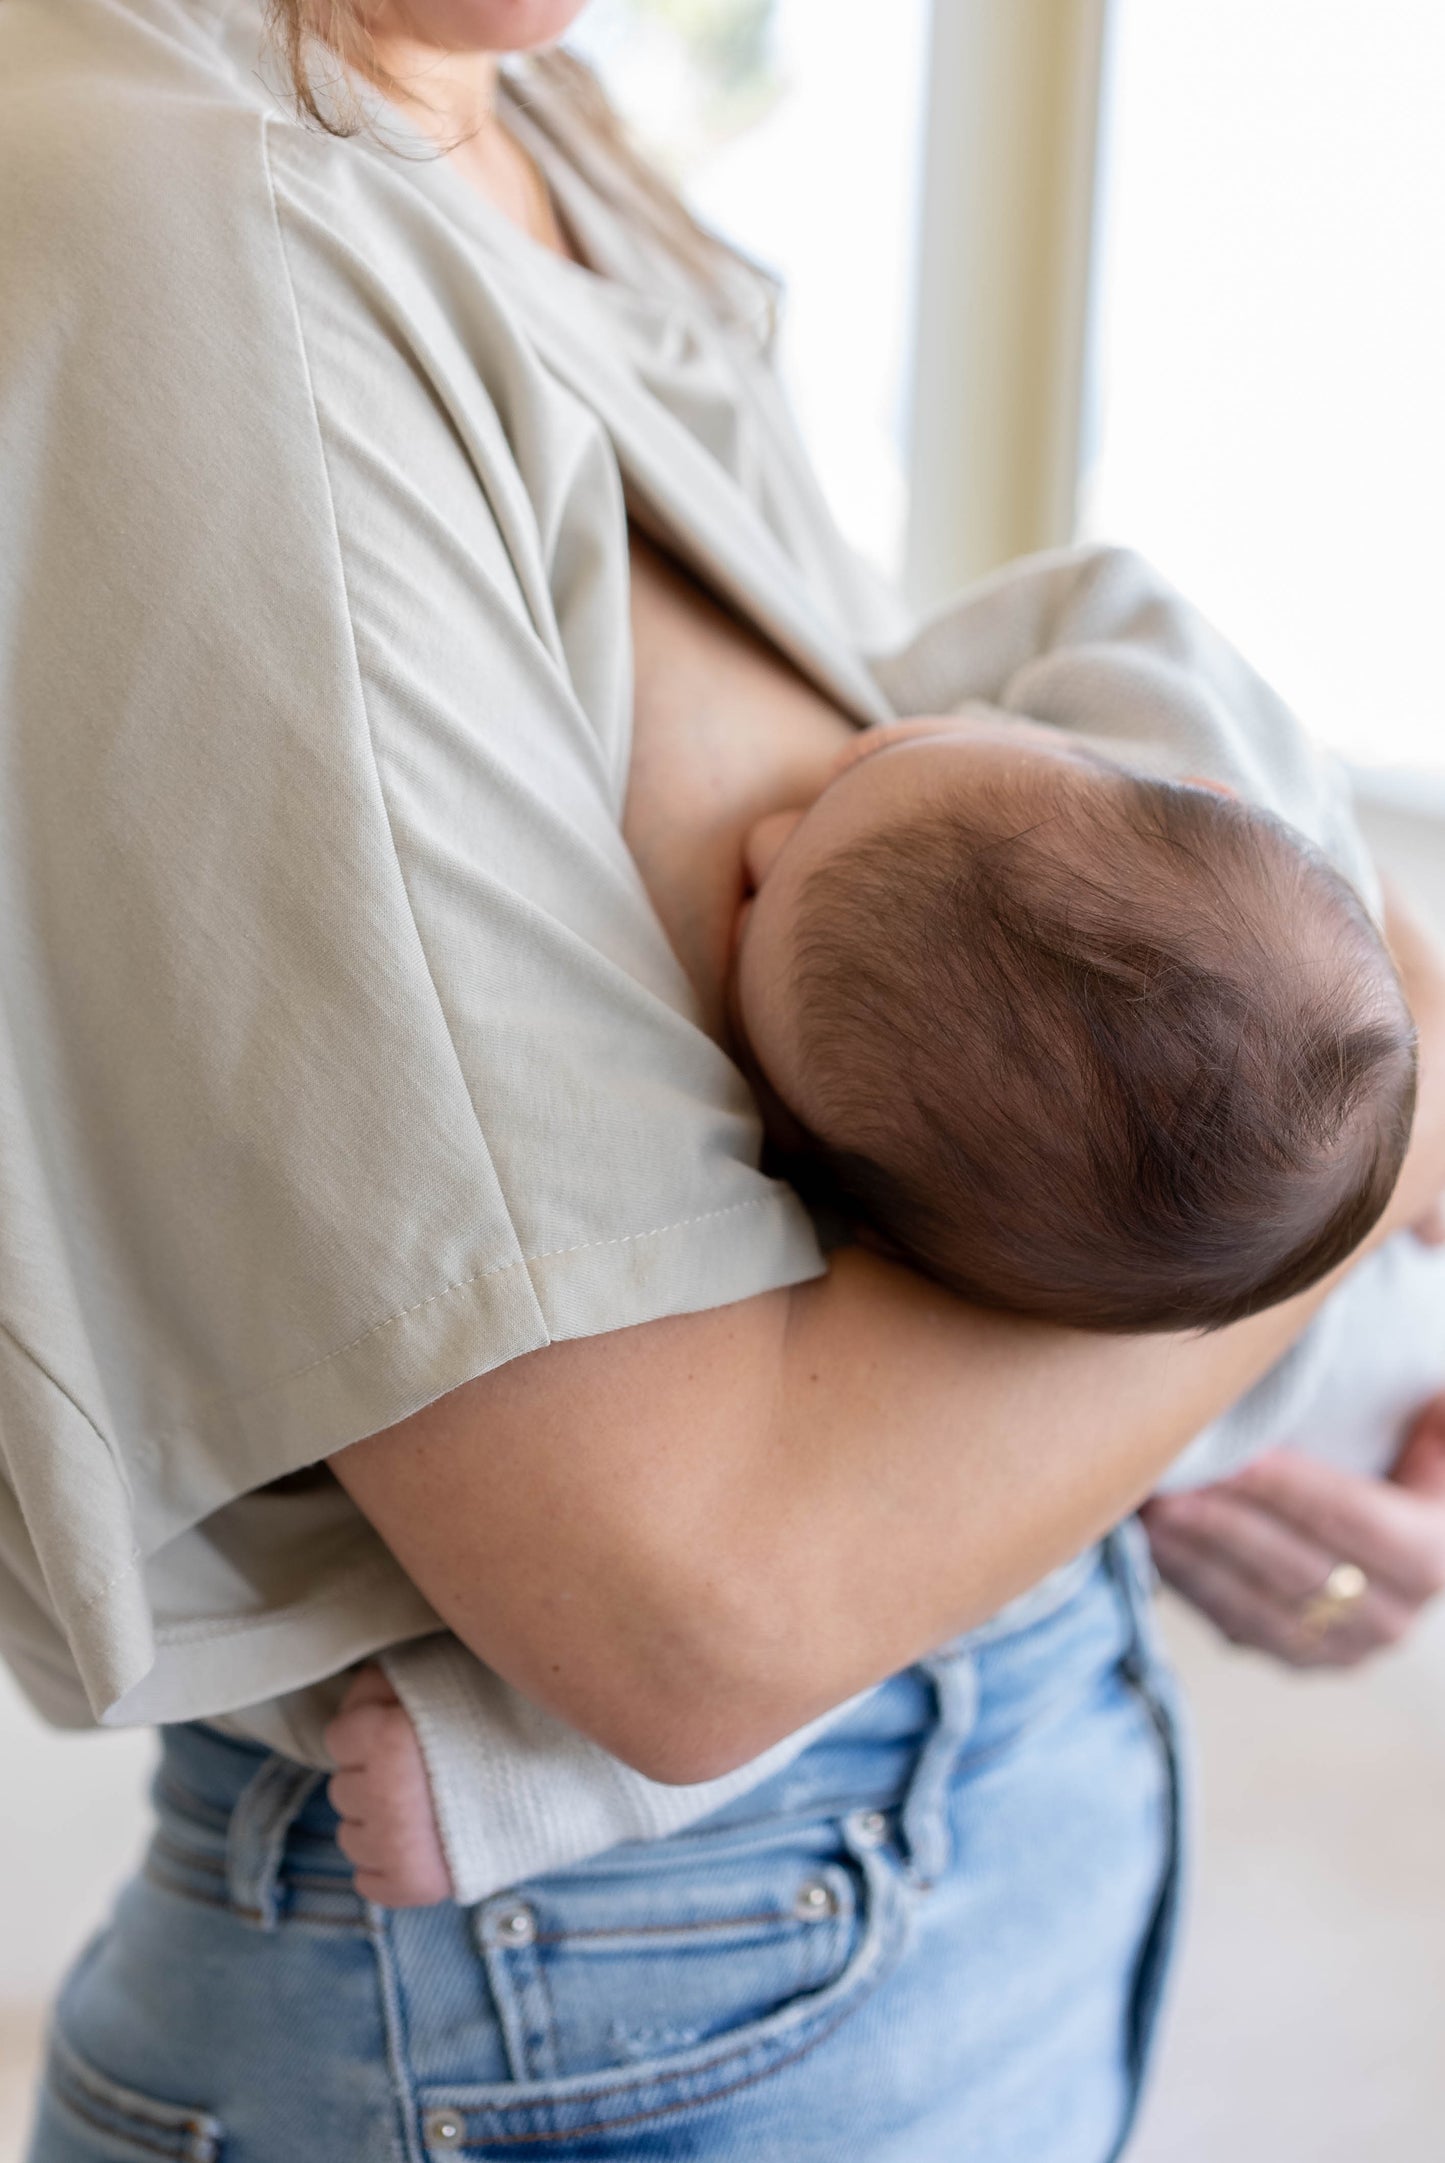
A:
x: 1141, y: 1065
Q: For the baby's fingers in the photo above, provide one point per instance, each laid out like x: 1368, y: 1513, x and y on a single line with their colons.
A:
x: 354, y: 1798
x: 395, y: 1854
x: 366, y: 1718
x: 359, y: 1738
x: 368, y: 1686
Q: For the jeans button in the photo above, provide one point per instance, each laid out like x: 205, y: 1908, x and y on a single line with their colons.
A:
x: 814, y: 1900
x: 443, y: 2129
x: 516, y: 1925
x: 870, y: 1828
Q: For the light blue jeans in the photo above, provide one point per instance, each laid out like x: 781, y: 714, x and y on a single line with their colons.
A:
x: 940, y: 1934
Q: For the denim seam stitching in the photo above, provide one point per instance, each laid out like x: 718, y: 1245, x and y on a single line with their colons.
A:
x: 307, y: 1881
x: 889, y: 1953
x: 189, y: 1804
x: 67, y: 2090
x: 309, y: 1920
x: 201, y: 1900
x: 674, y: 1930
x: 393, y: 2026
x: 173, y: 1853
x: 665, y: 2110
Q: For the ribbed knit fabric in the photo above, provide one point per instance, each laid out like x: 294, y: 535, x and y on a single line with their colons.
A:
x: 517, y: 1792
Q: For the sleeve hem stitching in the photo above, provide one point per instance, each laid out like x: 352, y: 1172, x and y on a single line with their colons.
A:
x: 499, y: 1269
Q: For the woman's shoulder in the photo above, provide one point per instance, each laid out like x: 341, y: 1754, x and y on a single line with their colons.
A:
x: 146, y: 163
x: 109, y: 127
x: 140, y: 273
x: 198, y: 291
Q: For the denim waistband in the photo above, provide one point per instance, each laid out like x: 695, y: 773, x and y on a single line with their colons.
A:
x: 991, y: 1834
x: 261, y: 1832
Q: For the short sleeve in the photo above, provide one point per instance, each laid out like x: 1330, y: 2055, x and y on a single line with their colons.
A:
x: 342, y: 1057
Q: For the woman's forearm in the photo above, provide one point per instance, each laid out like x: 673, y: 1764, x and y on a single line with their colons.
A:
x: 689, y: 1538
x: 937, y: 1461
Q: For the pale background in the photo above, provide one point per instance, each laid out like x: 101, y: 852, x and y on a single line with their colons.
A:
x: 1260, y: 411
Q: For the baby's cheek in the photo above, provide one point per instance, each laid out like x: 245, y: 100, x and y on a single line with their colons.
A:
x: 765, y: 840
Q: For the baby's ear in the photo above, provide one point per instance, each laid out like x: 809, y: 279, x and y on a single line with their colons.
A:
x: 1207, y: 781
x: 763, y: 844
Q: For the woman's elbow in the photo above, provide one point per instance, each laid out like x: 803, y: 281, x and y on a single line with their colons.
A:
x: 689, y: 1706
x: 683, y: 1750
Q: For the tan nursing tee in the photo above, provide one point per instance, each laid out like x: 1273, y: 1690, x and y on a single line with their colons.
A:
x: 342, y: 1057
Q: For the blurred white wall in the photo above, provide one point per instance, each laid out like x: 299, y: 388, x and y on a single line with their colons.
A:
x: 1271, y: 342
x: 1305, y: 2026
x: 71, y: 1818
x: 821, y: 183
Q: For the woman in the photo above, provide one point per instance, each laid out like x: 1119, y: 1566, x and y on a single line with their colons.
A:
x: 387, y: 1241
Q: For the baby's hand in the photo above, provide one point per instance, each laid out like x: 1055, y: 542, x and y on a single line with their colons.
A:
x: 380, y: 1792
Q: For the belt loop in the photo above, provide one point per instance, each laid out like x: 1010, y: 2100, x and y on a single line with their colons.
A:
x: 924, y: 1820
x: 256, y: 1836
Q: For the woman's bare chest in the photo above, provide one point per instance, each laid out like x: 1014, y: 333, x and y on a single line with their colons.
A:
x: 724, y: 731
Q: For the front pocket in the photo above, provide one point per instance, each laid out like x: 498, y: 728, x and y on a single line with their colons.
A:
x: 628, y: 1995
x: 89, y: 2118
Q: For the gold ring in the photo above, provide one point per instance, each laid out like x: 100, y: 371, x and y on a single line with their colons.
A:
x: 1343, y: 1589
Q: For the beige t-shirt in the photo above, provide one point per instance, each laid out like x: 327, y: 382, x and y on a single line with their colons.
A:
x: 342, y: 1056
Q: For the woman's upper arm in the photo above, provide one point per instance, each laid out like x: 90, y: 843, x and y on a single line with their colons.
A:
x: 690, y: 1538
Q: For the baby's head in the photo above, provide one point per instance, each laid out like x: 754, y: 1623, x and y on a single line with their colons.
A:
x: 1119, y: 1053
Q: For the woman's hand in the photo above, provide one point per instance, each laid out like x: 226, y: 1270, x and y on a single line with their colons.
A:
x: 1255, y: 1551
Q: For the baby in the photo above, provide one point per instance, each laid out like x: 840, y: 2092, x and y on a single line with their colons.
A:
x: 1115, y: 1052
x: 1081, y: 1039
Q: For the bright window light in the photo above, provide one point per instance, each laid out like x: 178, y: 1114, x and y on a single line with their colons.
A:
x: 1271, y: 343
x: 809, y: 118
